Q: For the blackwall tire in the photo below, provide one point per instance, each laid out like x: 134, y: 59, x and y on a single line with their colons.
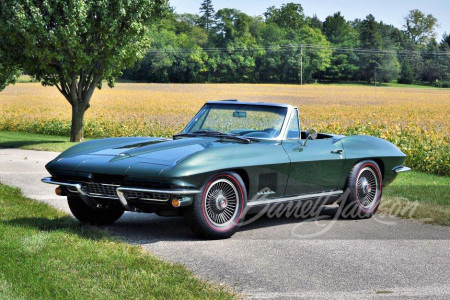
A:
x: 88, y: 215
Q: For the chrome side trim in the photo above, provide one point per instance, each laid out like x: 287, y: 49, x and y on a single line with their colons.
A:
x: 401, y: 169
x: 294, y: 198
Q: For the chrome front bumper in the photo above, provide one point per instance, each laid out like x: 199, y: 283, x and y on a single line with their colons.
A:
x: 183, y: 194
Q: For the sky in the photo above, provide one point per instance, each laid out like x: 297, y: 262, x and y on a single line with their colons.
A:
x: 389, y: 11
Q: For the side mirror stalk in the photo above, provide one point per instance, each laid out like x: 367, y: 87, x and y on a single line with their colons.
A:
x: 311, y: 135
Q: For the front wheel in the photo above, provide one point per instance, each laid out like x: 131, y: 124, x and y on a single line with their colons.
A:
x: 93, y: 216
x: 218, y: 209
x: 364, y: 184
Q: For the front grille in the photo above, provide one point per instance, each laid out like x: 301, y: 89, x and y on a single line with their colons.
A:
x: 131, y: 195
x: 101, y: 190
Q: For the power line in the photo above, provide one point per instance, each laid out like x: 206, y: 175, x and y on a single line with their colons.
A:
x: 286, y: 47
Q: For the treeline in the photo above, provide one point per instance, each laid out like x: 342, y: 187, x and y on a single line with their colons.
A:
x: 286, y: 46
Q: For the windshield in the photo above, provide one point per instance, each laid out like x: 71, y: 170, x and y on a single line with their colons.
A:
x: 240, y: 120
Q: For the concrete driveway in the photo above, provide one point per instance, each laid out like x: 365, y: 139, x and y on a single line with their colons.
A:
x: 281, y: 258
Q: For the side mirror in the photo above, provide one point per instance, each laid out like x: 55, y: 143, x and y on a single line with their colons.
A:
x: 311, y: 134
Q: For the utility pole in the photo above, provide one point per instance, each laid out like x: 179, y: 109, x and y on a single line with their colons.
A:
x: 375, y: 75
x: 301, y: 64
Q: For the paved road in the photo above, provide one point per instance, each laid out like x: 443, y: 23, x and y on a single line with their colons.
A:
x: 281, y: 258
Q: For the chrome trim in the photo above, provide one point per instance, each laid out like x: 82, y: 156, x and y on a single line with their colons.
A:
x: 121, y: 190
x: 101, y: 197
x: 401, y: 169
x: 266, y: 193
x: 170, y: 192
x: 78, y: 186
x: 123, y: 200
x: 234, y: 101
x: 294, y: 198
x: 291, y: 117
x: 120, y: 193
x: 75, y: 185
x: 186, y: 201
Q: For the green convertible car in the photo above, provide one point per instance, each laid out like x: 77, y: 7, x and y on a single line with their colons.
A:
x: 233, y: 158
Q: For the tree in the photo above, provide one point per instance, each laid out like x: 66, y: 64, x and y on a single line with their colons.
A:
x: 446, y: 39
x: 406, y: 73
x: 75, y: 45
x: 343, y: 63
x: 370, y: 38
x: 420, y: 27
x: 388, y: 68
x: 207, y: 18
x: 314, y: 22
x: 8, y: 72
x: 289, y: 16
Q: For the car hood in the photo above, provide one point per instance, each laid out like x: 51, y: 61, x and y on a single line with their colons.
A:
x: 162, y: 151
x: 128, y: 156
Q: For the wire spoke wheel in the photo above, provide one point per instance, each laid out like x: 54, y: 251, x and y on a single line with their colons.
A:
x: 367, y: 191
x: 221, y: 202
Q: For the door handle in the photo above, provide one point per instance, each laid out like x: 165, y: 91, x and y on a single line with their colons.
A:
x: 337, y: 151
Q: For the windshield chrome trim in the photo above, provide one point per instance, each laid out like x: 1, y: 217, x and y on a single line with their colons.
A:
x: 231, y: 102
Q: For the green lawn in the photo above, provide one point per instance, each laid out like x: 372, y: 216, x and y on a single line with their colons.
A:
x: 45, y: 254
x: 418, y: 186
x: 34, y: 141
x: 430, y: 193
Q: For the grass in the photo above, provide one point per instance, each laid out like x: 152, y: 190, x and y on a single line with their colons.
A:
x: 419, y: 196
x: 32, y: 141
x: 25, y: 79
x: 418, y: 186
x: 36, y: 262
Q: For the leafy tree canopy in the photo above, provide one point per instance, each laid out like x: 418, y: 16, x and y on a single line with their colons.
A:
x: 75, y: 44
x: 420, y: 27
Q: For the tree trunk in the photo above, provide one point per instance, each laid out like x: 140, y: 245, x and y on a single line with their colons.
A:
x: 78, y: 93
x: 76, y: 132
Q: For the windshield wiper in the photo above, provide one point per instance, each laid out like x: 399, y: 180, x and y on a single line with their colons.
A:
x: 213, y: 133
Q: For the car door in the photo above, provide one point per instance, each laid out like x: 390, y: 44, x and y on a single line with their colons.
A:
x: 315, y: 167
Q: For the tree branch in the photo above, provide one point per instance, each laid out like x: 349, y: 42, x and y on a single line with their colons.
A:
x: 63, y: 92
x: 88, y: 80
x: 87, y: 96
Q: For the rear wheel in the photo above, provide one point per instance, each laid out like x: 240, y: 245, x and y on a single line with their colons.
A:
x: 365, y: 188
x: 93, y: 216
x: 218, y: 209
